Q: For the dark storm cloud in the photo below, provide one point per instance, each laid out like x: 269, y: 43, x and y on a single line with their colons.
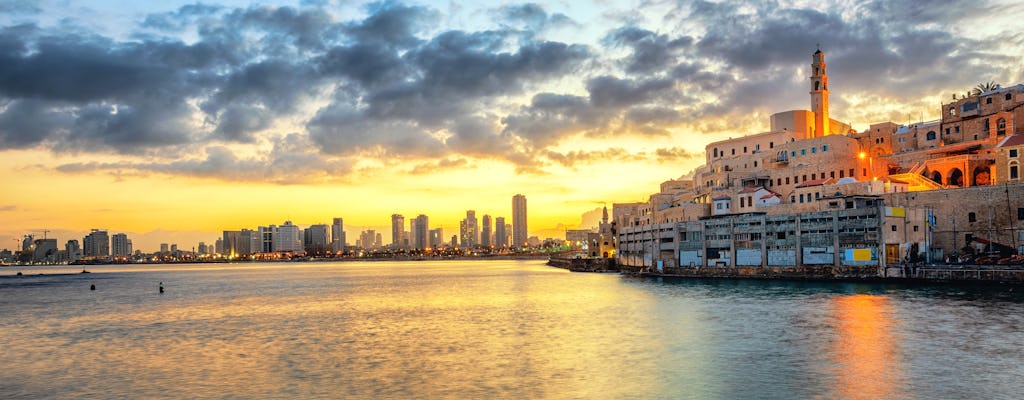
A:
x: 533, y: 17
x: 651, y: 52
x: 20, y: 7
x: 394, y: 84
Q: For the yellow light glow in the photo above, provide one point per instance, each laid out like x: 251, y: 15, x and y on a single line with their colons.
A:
x: 862, y: 155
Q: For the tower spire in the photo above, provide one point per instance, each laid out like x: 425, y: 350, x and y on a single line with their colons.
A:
x: 819, y: 94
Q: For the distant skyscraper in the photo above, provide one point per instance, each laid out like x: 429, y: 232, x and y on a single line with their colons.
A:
x: 316, y: 239
x: 231, y: 241
x: 436, y: 237
x: 519, y: 234
x: 485, y: 231
x: 120, y: 246
x: 420, y: 233
x: 469, y: 232
x: 397, y: 228
x: 165, y: 248
x: 96, y: 244
x: 73, y: 250
x: 500, y: 234
x: 379, y: 242
x: 287, y: 238
x: 45, y: 250
x: 338, y: 235
x: 266, y: 239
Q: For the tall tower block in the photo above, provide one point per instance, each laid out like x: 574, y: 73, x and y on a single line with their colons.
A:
x: 819, y: 95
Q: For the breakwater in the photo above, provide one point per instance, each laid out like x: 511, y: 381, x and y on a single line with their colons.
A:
x: 984, y: 274
x: 585, y: 264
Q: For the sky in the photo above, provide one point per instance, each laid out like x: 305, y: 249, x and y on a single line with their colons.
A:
x: 173, y: 121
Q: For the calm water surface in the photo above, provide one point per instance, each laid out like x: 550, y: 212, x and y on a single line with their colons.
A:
x: 494, y: 329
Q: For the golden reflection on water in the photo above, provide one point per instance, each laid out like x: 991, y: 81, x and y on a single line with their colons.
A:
x: 865, y: 352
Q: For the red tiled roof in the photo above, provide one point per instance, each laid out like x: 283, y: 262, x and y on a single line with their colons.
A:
x: 768, y: 196
x: 1012, y: 140
x: 751, y: 190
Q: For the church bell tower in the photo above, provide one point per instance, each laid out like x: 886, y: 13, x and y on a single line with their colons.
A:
x: 819, y: 95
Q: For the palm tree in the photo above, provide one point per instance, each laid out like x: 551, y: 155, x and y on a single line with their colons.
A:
x: 984, y: 87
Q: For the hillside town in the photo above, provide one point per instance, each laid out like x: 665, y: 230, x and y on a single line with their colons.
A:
x: 813, y: 191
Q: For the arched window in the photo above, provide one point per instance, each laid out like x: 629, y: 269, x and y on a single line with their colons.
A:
x: 817, y: 85
x: 930, y: 135
x: 1001, y: 126
x: 952, y: 111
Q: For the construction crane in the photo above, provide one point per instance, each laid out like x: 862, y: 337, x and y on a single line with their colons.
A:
x: 44, y: 231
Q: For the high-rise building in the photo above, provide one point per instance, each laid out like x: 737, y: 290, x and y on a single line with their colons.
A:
x: 288, y: 238
x: 368, y: 240
x: 500, y: 235
x: 120, y: 246
x: 338, y: 235
x: 397, y: 229
x: 45, y: 250
x: 436, y: 237
x: 73, y: 250
x: 420, y: 232
x: 485, y: 231
x: 165, y: 248
x: 27, y: 242
x: 379, y: 242
x: 266, y: 239
x: 508, y: 234
x: 519, y: 232
x: 231, y: 241
x: 96, y: 244
x: 469, y: 232
x: 201, y: 249
x: 315, y: 239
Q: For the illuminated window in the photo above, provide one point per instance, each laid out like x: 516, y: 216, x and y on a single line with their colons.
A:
x: 952, y: 111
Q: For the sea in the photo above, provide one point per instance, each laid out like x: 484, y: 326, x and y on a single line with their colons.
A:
x: 475, y: 329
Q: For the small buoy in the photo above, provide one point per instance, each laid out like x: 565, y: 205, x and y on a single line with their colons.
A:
x: 161, y: 287
x: 19, y: 273
x: 92, y: 287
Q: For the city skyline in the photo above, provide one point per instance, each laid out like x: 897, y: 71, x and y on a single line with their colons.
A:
x: 144, y: 119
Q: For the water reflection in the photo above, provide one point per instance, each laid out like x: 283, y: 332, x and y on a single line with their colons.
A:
x: 866, y: 354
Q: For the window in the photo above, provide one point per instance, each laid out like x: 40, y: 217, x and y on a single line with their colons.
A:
x: 842, y: 174
x: 792, y: 154
x: 755, y: 164
x: 1020, y: 213
x: 801, y: 197
x: 733, y: 151
x: 805, y: 178
x: 771, y: 145
x: 803, y: 152
x: 931, y: 135
x: 778, y: 181
x: 947, y: 131
x: 956, y: 129
x: 1008, y: 96
x: 972, y: 217
x: 1013, y: 153
x: 744, y: 149
x: 1014, y: 173
x: 1001, y: 126
x: 817, y: 195
x: 718, y: 206
x: 824, y: 147
x: 851, y: 172
x: 893, y: 228
x: 792, y: 199
x: 915, y: 228
x: 787, y: 180
x: 832, y: 174
x: 714, y: 152
x: 814, y: 150
x: 988, y: 100
x: 864, y: 172
x: 968, y: 237
x: 952, y: 111
x: 813, y: 176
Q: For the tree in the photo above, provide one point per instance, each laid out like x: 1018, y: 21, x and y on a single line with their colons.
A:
x: 984, y: 87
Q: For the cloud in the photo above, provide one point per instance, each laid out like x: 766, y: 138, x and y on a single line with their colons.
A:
x: 439, y: 166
